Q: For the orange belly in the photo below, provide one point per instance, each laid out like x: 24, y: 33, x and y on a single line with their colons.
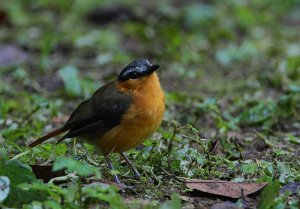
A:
x: 132, y: 131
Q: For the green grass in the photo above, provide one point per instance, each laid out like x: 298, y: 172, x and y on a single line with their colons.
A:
x: 231, y: 74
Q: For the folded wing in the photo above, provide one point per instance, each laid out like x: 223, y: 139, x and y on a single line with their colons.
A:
x: 96, y: 116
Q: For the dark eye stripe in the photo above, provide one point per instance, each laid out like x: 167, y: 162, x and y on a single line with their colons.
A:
x: 129, y: 71
x: 134, y: 73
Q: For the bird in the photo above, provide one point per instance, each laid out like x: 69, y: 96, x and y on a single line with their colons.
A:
x: 120, y: 115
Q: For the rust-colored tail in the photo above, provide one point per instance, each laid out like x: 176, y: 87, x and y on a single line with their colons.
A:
x: 48, y: 136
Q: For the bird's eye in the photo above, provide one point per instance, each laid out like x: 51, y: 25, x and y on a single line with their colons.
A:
x: 134, y: 75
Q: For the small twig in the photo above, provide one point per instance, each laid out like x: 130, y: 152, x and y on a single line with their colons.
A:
x: 155, y: 177
x: 49, y: 159
x: 194, y: 139
x: 20, y: 154
x: 63, y: 178
x: 92, y: 162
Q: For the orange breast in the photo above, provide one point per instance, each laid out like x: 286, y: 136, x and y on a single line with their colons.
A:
x: 140, y: 121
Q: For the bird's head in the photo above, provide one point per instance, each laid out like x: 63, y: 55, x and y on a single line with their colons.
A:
x: 137, y: 70
x: 138, y: 76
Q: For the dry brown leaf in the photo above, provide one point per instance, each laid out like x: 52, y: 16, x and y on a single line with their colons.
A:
x: 224, y: 188
x: 45, y: 172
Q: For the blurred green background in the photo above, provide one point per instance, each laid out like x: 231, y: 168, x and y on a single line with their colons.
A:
x: 230, y: 70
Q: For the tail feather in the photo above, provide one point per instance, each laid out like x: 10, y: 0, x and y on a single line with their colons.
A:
x: 46, y: 137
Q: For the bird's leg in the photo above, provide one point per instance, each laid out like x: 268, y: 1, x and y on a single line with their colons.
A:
x: 110, y: 166
x: 136, y: 173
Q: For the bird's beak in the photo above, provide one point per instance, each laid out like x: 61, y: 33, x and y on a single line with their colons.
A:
x: 153, y: 68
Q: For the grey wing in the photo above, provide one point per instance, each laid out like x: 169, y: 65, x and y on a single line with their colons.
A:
x: 80, y: 116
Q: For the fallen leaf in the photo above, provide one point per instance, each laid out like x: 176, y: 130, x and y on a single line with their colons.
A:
x: 45, y: 172
x: 224, y: 188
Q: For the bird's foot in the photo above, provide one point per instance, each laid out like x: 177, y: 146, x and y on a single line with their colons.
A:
x: 137, y: 175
